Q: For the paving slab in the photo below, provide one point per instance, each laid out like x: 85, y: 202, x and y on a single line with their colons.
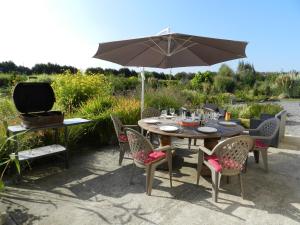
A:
x: 95, y: 190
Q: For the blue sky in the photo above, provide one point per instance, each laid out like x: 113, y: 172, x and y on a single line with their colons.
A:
x: 68, y: 32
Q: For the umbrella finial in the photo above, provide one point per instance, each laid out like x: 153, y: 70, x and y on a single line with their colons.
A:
x: 165, y: 31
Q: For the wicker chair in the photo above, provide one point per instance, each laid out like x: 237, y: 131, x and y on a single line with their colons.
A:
x: 227, y: 158
x: 147, y: 113
x: 145, y: 156
x: 121, y: 136
x: 263, y: 136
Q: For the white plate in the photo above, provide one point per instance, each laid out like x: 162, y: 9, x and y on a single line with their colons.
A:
x: 227, y: 123
x: 207, y: 129
x: 169, y: 116
x: 151, y: 121
x: 168, y: 128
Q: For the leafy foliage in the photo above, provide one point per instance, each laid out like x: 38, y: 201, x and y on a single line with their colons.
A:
x: 73, y: 90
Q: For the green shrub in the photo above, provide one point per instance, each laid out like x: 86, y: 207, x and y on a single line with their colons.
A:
x: 71, y: 91
x: 9, y: 80
x: 120, y: 84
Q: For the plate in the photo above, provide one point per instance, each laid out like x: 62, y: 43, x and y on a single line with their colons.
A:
x: 151, y: 121
x: 207, y: 129
x: 227, y: 123
x: 169, y: 116
x: 168, y: 128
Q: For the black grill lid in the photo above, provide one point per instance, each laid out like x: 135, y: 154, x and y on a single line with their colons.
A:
x: 33, y: 97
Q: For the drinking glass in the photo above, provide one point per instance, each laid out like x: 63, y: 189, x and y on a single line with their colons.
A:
x: 163, y: 113
x: 172, y: 111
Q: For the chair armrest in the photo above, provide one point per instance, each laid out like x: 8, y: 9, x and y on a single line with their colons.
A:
x: 245, y: 132
x: 206, y: 150
x: 253, y: 132
x: 135, y: 127
x: 163, y: 148
x: 131, y: 125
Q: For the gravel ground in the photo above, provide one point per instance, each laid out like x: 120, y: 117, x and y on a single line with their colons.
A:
x: 293, y: 118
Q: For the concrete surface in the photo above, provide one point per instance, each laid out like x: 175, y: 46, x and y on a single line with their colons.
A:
x: 95, y: 190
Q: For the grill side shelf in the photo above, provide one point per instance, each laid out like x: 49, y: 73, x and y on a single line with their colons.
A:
x: 40, y: 152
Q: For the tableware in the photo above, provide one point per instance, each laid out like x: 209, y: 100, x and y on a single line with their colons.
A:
x: 169, y: 116
x: 207, y: 129
x: 151, y: 121
x: 172, y: 111
x: 227, y: 123
x: 169, y: 128
x: 164, y: 113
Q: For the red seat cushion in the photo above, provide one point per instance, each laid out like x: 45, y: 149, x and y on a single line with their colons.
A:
x: 123, y: 138
x: 227, y: 163
x: 214, y: 161
x: 152, y: 156
x: 259, y: 144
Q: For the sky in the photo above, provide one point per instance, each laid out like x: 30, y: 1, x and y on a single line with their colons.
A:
x: 68, y: 32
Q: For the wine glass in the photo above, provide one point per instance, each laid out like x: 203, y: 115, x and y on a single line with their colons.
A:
x: 163, y: 113
x: 172, y: 111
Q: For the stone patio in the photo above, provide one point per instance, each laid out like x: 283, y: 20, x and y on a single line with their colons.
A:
x: 95, y: 190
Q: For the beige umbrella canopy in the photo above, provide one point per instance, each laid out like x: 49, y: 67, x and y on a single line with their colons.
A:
x: 170, y: 50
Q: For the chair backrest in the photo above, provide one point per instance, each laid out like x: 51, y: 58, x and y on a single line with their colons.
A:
x: 210, y: 107
x: 282, y: 117
x: 140, y: 147
x: 118, y: 125
x: 269, y: 127
x: 150, y: 112
x: 233, y: 152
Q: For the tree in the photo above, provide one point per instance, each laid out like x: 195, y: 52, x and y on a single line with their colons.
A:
x: 225, y: 71
x: 200, y: 78
x: 224, y: 84
x: 246, y: 73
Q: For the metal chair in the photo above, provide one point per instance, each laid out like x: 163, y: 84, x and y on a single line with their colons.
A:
x: 121, y: 136
x: 263, y: 136
x: 227, y: 158
x: 145, y: 156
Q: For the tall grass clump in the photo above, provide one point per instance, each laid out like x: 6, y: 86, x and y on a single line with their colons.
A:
x: 98, y: 109
x: 164, y: 98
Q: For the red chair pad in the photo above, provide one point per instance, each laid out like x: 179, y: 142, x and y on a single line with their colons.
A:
x: 227, y: 163
x: 260, y: 144
x: 123, y: 138
x: 152, y: 156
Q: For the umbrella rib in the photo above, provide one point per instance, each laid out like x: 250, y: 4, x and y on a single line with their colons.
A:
x: 218, y: 48
x: 181, y: 45
x: 162, y: 51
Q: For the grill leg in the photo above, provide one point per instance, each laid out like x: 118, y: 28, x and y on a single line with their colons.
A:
x: 67, y: 148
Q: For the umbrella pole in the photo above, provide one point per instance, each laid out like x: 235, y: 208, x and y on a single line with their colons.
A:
x: 143, y: 90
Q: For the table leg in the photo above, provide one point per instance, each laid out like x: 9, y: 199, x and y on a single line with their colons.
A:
x: 210, y: 143
x: 177, y: 161
x: 67, y: 148
x: 165, y: 140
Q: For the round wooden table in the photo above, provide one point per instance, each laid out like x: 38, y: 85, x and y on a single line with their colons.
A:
x: 210, y: 140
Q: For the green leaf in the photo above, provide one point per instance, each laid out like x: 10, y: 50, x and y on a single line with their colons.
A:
x: 16, y: 161
x: 3, y: 163
x: 2, y: 186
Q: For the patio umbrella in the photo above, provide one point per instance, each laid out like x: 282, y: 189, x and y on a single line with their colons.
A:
x: 169, y: 50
